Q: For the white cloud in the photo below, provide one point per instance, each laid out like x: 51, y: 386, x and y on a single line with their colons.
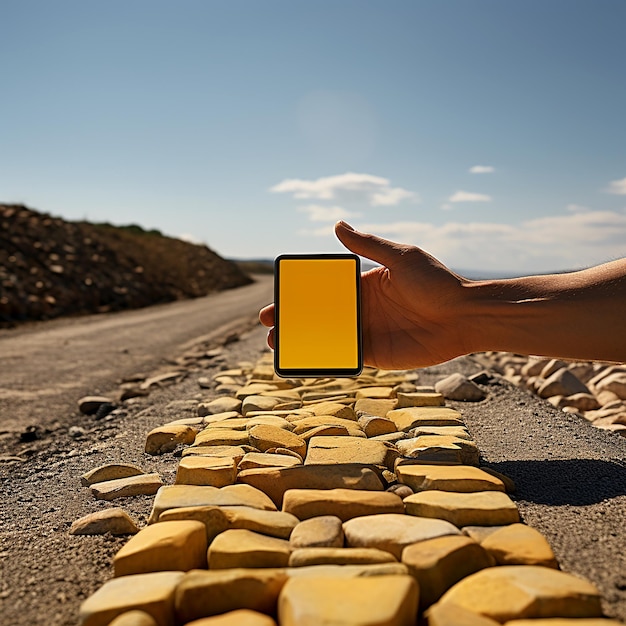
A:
x: 320, y: 213
x: 468, y: 196
x: 552, y: 243
x: 446, y: 206
x: 375, y: 190
x: 391, y: 196
x: 482, y: 169
x: 576, y: 208
x: 618, y: 187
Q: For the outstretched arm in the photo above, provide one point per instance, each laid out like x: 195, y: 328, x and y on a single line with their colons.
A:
x: 416, y: 312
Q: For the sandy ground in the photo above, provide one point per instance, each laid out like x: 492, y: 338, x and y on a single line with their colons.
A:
x: 571, y: 478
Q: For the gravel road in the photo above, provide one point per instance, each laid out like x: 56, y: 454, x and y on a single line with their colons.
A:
x: 571, y: 478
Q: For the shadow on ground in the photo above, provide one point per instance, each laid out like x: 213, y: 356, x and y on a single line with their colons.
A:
x: 576, y: 482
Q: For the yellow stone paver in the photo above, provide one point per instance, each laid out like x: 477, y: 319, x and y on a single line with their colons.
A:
x: 166, y: 546
x: 206, y: 470
x: 462, y: 478
x: 508, y: 592
x: 519, y: 544
x: 349, y: 602
x: 341, y: 455
x: 342, y: 503
x: 480, y: 508
x: 152, y: 593
x: 206, y: 593
x: 245, y: 548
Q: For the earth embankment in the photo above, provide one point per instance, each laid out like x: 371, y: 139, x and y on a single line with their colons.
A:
x: 50, y: 267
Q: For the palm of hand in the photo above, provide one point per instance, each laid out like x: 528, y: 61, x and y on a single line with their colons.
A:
x: 406, y: 313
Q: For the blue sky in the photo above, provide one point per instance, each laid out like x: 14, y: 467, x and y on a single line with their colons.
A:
x: 492, y: 133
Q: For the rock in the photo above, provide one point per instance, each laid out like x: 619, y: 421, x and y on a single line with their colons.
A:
x: 451, y: 431
x: 552, y: 366
x: 392, y: 532
x: 402, y: 491
x: 509, y: 484
x: 324, y: 531
x: 217, y: 519
x: 219, y: 405
x: 141, y: 485
x: 324, y: 450
x: 459, y: 478
x: 205, y: 593
x: 373, y: 425
x: 330, y: 430
x: 534, y: 366
x: 232, y: 423
x: 414, y: 417
x: 240, y: 617
x: 254, y: 460
x: 423, y: 447
x: 233, y: 452
x: 373, y: 406
x: 561, y: 383
x: 152, y: 593
x: 166, y: 546
x: 183, y: 496
x: 206, y: 470
x: 89, y: 405
x: 348, y: 602
x: 163, y: 380
x: 112, y: 471
x: 615, y: 383
x: 437, y: 564
x: 518, y: 544
x: 392, y: 438
x: 303, y: 422
x: 245, y: 548
x: 275, y: 482
x: 419, y: 398
x: 481, y: 508
x: 196, y: 423
x: 115, y: 521
x: 342, y: 503
x: 582, y: 402
x: 303, y: 557
x: 222, y: 437
x: 285, y: 452
x: 335, y: 409
x: 453, y: 615
x: 511, y: 592
x: 258, y: 403
x: 480, y: 533
x: 254, y: 389
x: 380, y: 393
x: 348, y: 571
x: 264, y: 437
x: 269, y: 420
x: 458, y: 387
x: 165, y: 438
x: 134, y: 618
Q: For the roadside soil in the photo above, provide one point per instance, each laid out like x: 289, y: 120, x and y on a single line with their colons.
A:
x: 571, y: 478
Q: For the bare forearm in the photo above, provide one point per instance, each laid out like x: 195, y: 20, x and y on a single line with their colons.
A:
x: 580, y: 315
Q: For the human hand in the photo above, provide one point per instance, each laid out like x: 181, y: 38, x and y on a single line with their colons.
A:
x: 411, y: 307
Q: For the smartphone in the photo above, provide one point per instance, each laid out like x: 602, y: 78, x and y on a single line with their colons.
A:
x: 317, y: 315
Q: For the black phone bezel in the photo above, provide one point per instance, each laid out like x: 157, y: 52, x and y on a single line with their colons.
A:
x: 317, y: 372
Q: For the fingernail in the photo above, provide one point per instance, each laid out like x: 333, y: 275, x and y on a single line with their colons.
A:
x: 345, y: 225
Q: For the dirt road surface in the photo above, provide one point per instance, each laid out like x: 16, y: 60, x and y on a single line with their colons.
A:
x: 45, y: 367
x: 571, y: 478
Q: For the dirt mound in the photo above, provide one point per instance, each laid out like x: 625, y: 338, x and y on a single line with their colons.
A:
x: 50, y: 267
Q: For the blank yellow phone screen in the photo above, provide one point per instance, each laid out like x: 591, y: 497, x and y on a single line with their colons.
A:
x: 317, y: 314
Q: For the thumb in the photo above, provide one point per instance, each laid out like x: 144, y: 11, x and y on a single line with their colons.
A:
x: 372, y: 247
